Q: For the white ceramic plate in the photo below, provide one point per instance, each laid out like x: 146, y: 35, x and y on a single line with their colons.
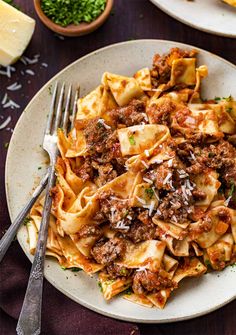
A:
x: 196, y: 296
x: 212, y: 16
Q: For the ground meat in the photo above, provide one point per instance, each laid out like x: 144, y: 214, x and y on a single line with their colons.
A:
x: 219, y: 156
x: 144, y: 217
x: 105, y: 172
x: 161, y: 69
x: 130, y: 115
x: 161, y: 113
x: 175, y: 206
x: 117, y: 211
x: 141, y: 232
x: 199, y: 195
x: 96, y: 135
x: 204, y: 226
x: 114, y: 271
x: 89, y: 230
x: 224, y: 215
x: 110, y: 251
x: 86, y: 170
x: 149, y: 282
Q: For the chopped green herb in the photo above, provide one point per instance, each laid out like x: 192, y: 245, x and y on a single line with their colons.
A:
x: 229, y: 110
x: 149, y: 192
x: 39, y: 167
x: 63, y: 268
x: 6, y: 145
x: 229, y: 98
x: 132, y: 140
x: 207, y: 262
x: 74, y: 269
x: 232, y: 189
x: 100, y: 286
x: 26, y: 221
x: 65, y: 12
x: 211, y: 154
x: 233, y: 265
x: 128, y: 291
x: 126, y: 213
x: 123, y: 271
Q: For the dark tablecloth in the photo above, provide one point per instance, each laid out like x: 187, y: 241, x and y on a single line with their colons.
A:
x: 131, y: 19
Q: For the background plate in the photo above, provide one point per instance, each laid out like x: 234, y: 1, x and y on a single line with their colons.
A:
x: 195, y: 296
x: 212, y: 16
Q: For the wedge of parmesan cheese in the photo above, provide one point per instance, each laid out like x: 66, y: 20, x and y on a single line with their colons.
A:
x: 16, y: 30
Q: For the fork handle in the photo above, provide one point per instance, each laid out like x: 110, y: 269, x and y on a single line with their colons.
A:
x: 12, y: 230
x: 29, y: 322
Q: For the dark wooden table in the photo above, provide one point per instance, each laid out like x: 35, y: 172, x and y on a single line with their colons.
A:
x: 130, y: 19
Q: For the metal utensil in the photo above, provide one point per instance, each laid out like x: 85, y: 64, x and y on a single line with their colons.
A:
x: 10, y: 234
x: 30, y: 317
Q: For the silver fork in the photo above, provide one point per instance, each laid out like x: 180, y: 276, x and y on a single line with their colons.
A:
x: 8, y: 237
x: 29, y: 322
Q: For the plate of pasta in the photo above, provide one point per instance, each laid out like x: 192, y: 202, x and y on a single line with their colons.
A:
x: 195, y: 13
x: 143, y: 223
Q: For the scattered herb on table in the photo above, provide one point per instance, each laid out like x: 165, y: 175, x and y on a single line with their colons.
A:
x: 65, y: 12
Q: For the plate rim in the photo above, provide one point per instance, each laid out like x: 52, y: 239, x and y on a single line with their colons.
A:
x: 190, y: 24
x: 66, y: 293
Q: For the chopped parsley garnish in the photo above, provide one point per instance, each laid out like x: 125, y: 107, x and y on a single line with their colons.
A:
x: 232, y: 189
x: 132, y: 140
x: 63, y: 268
x: 123, y: 271
x: 126, y: 213
x: 233, y: 265
x: 149, y: 192
x: 207, y: 262
x: 228, y: 99
x: 26, y: 221
x: 229, y: 110
x: 65, y: 12
x: 74, y: 269
x: 211, y: 155
x: 100, y: 286
x: 128, y: 291
x: 39, y: 167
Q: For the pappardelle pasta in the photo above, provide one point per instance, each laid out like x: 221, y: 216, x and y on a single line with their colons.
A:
x: 146, y: 182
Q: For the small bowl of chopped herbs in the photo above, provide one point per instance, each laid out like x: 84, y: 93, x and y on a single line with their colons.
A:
x: 73, y: 17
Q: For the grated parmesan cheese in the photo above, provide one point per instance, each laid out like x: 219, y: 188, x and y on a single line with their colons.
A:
x: 149, y: 181
x: 120, y: 225
x: 142, y: 201
x: 167, y: 178
x: 226, y: 203
x: 102, y: 121
x: 145, y: 164
x: 5, y: 123
x: 14, y: 87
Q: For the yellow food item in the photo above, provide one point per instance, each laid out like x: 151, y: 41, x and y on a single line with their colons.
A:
x: 16, y: 30
x: 231, y: 2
